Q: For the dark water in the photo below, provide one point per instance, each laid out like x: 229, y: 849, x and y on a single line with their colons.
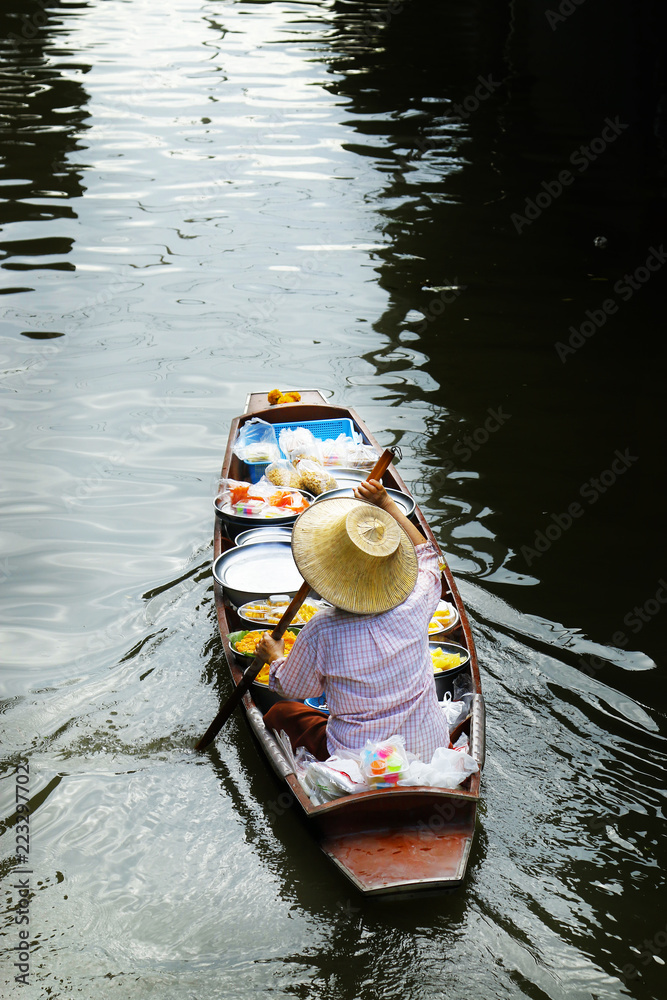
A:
x: 205, y: 199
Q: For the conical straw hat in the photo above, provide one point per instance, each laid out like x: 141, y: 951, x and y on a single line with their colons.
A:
x: 354, y: 555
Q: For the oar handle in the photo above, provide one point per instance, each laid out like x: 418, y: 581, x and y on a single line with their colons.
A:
x: 382, y: 464
x: 251, y: 672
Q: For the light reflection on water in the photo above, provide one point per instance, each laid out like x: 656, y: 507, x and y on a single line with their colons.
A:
x: 219, y: 198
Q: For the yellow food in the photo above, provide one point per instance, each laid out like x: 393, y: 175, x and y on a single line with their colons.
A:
x: 263, y: 676
x: 441, y: 619
x: 270, y: 612
x: 445, y: 661
x: 315, y: 481
x: 276, y: 396
x: 248, y: 644
x: 280, y: 476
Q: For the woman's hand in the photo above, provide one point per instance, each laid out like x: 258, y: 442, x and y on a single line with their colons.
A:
x: 374, y: 492
x: 269, y: 649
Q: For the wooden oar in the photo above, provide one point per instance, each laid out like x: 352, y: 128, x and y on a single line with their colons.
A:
x: 251, y: 672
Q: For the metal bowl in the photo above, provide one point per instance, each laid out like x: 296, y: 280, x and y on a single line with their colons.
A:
x: 348, y: 477
x: 405, y: 502
x: 255, y: 572
x: 247, y: 658
x: 255, y: 521
x: 261, y: 693
x: 265, y: 534
x: 444, y: 627
x: 444, y: 678
x: 253, y: 623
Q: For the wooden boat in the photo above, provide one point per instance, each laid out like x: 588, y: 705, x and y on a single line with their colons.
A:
x: 392, y: 840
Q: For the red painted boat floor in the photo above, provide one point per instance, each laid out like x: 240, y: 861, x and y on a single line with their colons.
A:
x: 399, y: 860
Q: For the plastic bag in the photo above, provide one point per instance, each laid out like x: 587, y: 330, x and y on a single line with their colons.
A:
x: 329, y: 779
x: 383, y: 764
x: 454, y: 711
x: 300, y: 443
x: 336, y: 451
x: 462, y: 743
x: 262, y: 499
x: 448, y: 769
x: 256, y: 442
x: 283, y: 474
x: 314, y: 478
x: 348, y: 452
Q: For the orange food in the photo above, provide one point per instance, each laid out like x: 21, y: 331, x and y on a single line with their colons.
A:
x: 276, y: 396
x: 248, y: 645
x: 294, y: 502
x: 238, y: 494
x: 281, y: 500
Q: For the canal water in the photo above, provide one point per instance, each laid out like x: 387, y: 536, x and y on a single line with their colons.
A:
x: 450, y: 217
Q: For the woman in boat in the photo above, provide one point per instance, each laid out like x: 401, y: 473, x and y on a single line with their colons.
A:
x: 369, y: 653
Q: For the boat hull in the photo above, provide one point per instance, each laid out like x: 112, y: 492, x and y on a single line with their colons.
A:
x: 384, y: 842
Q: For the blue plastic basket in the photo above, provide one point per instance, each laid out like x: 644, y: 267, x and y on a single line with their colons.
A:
x: 256, y: 470
x: 320, y: 429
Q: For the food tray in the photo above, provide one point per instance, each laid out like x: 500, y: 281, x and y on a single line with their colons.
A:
x: 402, y: 500
x: 256, y: 520
x: 267, y: 533
x: 438, y: 627
x: 246, y: 614
x: 248, y: 658
x: 254, y: 572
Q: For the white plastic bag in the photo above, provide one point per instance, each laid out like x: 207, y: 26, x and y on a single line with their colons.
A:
x: 261, y: 499
x: 282, y: 474
x: 453, y: 711
x: 329, y: 779
x: 348, y: 452
x: 448, y: 769
x: 314, y: 478
x: 256, y: 442
x: 300, y: 443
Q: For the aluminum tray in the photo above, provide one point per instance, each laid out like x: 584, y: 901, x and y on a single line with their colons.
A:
x: 255, y: 572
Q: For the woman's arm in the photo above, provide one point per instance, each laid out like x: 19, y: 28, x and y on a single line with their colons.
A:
x: 375, y: 493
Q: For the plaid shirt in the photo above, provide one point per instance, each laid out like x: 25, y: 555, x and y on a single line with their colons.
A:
x: 376, y: 670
